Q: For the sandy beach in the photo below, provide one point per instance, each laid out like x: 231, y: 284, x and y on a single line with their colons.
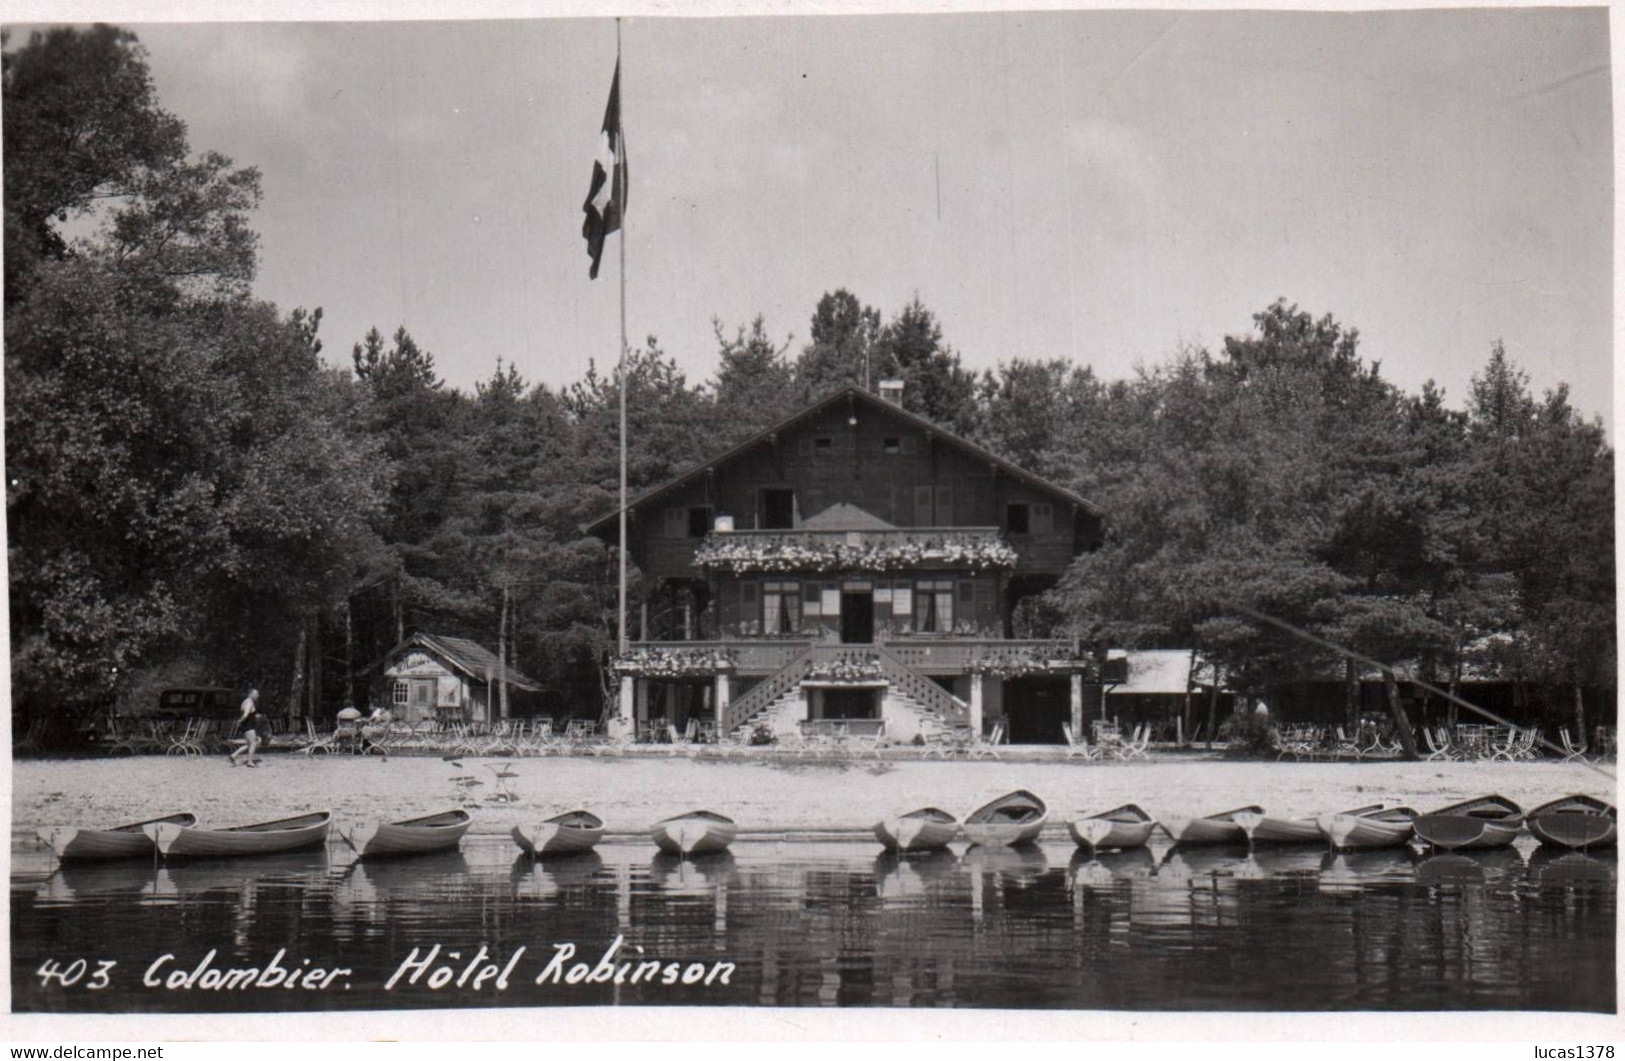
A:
x: 761, y: 795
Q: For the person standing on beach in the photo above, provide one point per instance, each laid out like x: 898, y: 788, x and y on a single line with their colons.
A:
x: 248, y: 725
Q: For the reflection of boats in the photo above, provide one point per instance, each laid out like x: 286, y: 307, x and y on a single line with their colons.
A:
x: 563, y: 834
x: 1014, y: 818
x: 1204, y: 860
x: 1125, y: 826
x: 430, y: 874
x: 1221, y: 828
x: 1553, y: 866
x: 415, y: 836
x: 1354, y: 870
x: 537, y: 878
x: 1488, y: 821
x: 1466, y: 867
x: 264, y: 838
x: 1103, y: 868
x: 122, y: 841
x: 1263, y: 829
x: 691, y: 875
x: 1386, y: 828
x: 289, y: 869
x: 1288, y: 860
x: 76, y: 881
x: 1024, y: 860
x: 926, y: 829
x: 899, y: 877
x: 1575, y: 822
x: 698, y: 832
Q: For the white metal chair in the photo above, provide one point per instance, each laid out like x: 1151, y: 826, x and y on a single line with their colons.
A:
x: 1078, y: 747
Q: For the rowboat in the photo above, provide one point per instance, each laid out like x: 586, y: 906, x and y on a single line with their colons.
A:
x: 1575, y: 822
x: 562, y: 834
x: 263, y: 838
x: 698, y: 832
x: 415, y: 836
x: 1263, y: 829
x: 1014, y: 818
x: 1385, y: 828
x: 1221, y: 828
x: 1125, y: 826
x: 1488, y: 821
x: 72, y: 844
x: 926, y: 829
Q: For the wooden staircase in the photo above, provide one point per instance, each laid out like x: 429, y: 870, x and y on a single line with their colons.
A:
x: 778, y: 697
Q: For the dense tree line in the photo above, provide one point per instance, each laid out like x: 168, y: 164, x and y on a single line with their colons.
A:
x: 193, y: 496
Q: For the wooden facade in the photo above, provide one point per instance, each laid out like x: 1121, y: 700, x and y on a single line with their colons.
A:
x: 853, y: 523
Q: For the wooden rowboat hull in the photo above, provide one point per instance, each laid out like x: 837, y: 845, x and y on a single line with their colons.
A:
x: 698, y: 833
x: 1213, y: 829
x: 1488, y: 821
x: 125, y: 841
x: 1266, y: 830
x: 564, y: 834
x: 1123, y: 827
x: 927, y: 829
x: 1574, y: 822
x: 180, y: 842
x: 1348, y: 831
x: 1014, y: 818
x: 1463, y: 833
x: 423, y: 836
x: 1574, y: 831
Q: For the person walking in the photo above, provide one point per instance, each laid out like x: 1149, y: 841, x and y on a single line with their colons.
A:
x: 248, y: 725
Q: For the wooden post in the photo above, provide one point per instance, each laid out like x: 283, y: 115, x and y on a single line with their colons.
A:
x: 976, y: 704
x: 1077, y: 705
x: 1212, y: 708
x: 723, y: 700
x: 623, y: 714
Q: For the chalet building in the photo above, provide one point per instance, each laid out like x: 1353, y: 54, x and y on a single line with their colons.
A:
x: 434, y: 677
x: 853, y: 562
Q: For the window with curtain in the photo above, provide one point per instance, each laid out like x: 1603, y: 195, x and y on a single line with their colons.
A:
x: 781, y: 607
x: 934, y: 605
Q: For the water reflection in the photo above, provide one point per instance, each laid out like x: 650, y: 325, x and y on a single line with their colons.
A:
x: 839, y: 924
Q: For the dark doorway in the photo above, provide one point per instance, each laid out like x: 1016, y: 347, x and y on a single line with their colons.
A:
x: 849, y: 703
x: 778, y: 509
x: 857, y: 618
x: 1035, y: 708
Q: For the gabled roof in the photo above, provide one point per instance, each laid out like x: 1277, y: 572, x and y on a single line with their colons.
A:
x: 471, y: 658
x: 844, y: 517
x: 606, y: 524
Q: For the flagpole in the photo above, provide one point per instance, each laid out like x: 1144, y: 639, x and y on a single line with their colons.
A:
x: 618, y: 175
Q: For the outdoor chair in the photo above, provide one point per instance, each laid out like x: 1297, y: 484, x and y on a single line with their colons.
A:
x: 870, y: 744
x: 939, y: 746
x: 1137, y: 746
x: 986, y: 747
x: 679, y: 741
x: 1572, y: 752
x: 1528, y: 747
x: 1439, y: 746
x: 1077, y: 747
x: 1345, y: 746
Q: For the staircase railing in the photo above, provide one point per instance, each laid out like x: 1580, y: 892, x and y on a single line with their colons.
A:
x: 767, y: 690
x: 954, y: 711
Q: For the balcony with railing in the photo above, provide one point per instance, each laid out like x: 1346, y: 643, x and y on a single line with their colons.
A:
x: 759, y: 657
x: 821, y: 551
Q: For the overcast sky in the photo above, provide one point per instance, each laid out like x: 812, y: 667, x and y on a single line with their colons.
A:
x: 1098, y: 186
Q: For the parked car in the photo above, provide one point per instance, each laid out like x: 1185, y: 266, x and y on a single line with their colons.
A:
x: 220, y: 704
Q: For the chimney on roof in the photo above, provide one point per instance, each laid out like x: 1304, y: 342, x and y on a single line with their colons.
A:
x: 891, y: 390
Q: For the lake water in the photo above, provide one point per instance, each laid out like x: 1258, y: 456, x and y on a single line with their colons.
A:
x: 823, y: 924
